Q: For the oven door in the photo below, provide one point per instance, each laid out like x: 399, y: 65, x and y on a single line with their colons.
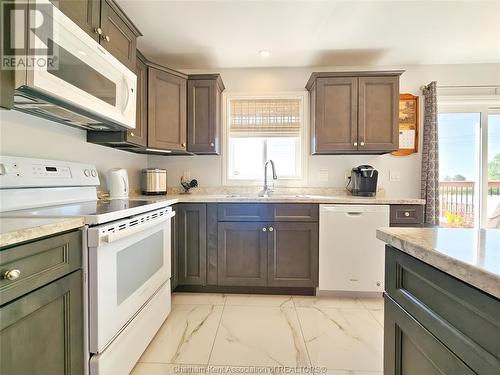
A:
x: 129, y: 264
x: 84, y: 75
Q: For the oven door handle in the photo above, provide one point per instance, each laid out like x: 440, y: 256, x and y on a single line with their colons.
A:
x: 112, y: 237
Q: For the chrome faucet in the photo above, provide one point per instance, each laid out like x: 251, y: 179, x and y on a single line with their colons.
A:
x: 266, y: 191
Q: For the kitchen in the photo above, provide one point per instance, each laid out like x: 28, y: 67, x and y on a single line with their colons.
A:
x: 257, y: 258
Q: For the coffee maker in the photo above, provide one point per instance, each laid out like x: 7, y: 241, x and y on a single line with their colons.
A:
x: 363, y: 181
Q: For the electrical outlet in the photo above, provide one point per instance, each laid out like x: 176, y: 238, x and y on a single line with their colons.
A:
x: 394, y: 176
x: 323, y: 175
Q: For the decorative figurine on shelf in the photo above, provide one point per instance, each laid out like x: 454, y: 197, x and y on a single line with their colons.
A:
x: 188, y: 184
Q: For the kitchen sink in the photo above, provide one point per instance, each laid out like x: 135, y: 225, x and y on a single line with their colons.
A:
x: 276, y: 196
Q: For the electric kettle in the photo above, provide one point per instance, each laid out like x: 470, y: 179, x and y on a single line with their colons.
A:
x: 117, y: 179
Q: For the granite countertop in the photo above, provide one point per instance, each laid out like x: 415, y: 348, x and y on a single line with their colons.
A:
x: 17, y: 230
x: 280, y: 198
x: 470, y: 255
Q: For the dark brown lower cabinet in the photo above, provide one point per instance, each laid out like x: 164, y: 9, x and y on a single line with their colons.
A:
x: 410, y: 349
x: 174, y: 278
x: 242, y: 254
x: 293, y: 254
x: 42, y: 332
x: 191, y: 222
x: 214, y: 247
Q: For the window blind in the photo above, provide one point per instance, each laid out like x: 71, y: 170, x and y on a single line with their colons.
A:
x: 265, y: 117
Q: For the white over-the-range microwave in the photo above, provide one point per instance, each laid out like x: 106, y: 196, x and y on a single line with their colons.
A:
x: 76, y: 82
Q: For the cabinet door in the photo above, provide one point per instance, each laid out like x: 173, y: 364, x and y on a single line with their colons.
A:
x: 174, y: 242
x: 242, y: 254
x: 410, y: 349
x: 203, y: 115
x: 85, y: 13
x: 138, y: 135
x: 335, y: 128
x: 293, y: 254
x: 117, y: 37
x: 166, y: 110
x: 42, y: 332
x: 378, y: 114
x: 192, y: 244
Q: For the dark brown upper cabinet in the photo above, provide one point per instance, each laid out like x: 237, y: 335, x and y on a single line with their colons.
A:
x: 166, y: 109
x: 119, y: 35
x: 378, y: 113
x: 105, y: 21
x: 138, y: 135
x: 204, y: 108
x: 354, y: 112
x: 85, y: 13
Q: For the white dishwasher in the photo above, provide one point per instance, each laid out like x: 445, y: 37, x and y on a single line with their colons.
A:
x: 351, y: 258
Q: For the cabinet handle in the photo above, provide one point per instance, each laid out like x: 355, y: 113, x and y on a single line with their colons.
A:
x: 11, y: 274
x: 131, y: 134
x: 98, y: 30
x: 355, y: 144
x: 105, y: 37
x: 212, y: 144
x: 407, y: 214
x: 271, y: 229
x: 183, y: 144
x: 362, y: 144
x: 264, y: 229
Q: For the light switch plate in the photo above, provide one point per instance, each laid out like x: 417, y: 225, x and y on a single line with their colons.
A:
x: 323, y: 175
x: 394, y: 176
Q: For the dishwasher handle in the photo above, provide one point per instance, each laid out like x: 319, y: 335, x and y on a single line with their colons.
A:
x: 354, y: 210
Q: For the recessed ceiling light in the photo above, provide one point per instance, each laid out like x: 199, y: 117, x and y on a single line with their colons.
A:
x: 265, y: 53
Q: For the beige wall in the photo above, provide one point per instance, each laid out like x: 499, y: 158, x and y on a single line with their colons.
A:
x: 208, y: 169
x: 25, y: 135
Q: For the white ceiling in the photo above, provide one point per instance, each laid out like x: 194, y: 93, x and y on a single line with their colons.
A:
x: 227, y: 34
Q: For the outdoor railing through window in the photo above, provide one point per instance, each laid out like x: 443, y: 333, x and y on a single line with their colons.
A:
x: 457, y: 201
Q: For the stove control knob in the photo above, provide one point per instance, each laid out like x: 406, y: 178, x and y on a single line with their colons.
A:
x: 86, y: 172
x: 93, y: 173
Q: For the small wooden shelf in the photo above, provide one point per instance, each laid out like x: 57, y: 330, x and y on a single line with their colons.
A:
x: 408, y: 123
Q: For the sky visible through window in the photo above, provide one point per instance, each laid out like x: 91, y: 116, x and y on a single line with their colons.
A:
x: 457, y: 142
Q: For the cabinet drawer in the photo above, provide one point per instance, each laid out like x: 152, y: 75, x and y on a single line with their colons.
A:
x: 242, y: 212
x: 407, y: 214
x: 268, y: 212
x: 463, y: 318
x: 39, y: 263
x: 294, y: 212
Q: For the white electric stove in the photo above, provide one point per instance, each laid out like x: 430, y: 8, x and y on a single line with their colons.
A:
x: 126, y: 251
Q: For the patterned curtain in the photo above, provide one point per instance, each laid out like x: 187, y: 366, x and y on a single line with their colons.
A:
x: 430, y: 156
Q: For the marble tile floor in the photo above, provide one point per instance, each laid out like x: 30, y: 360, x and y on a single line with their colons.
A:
x: 235, y: 333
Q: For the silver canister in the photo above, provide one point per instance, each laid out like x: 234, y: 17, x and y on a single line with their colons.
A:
x: 154, y: 181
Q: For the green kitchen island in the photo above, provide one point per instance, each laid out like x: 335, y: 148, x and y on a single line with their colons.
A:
x: 442, y: 301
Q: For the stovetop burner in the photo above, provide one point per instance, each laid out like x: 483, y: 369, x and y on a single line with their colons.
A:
x: 93, y: 212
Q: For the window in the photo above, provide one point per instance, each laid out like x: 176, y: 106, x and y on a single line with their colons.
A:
x: 260, y: 129
x: 469, y: 161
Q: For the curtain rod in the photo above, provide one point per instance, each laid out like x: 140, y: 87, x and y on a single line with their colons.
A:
x: 464, y: 86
